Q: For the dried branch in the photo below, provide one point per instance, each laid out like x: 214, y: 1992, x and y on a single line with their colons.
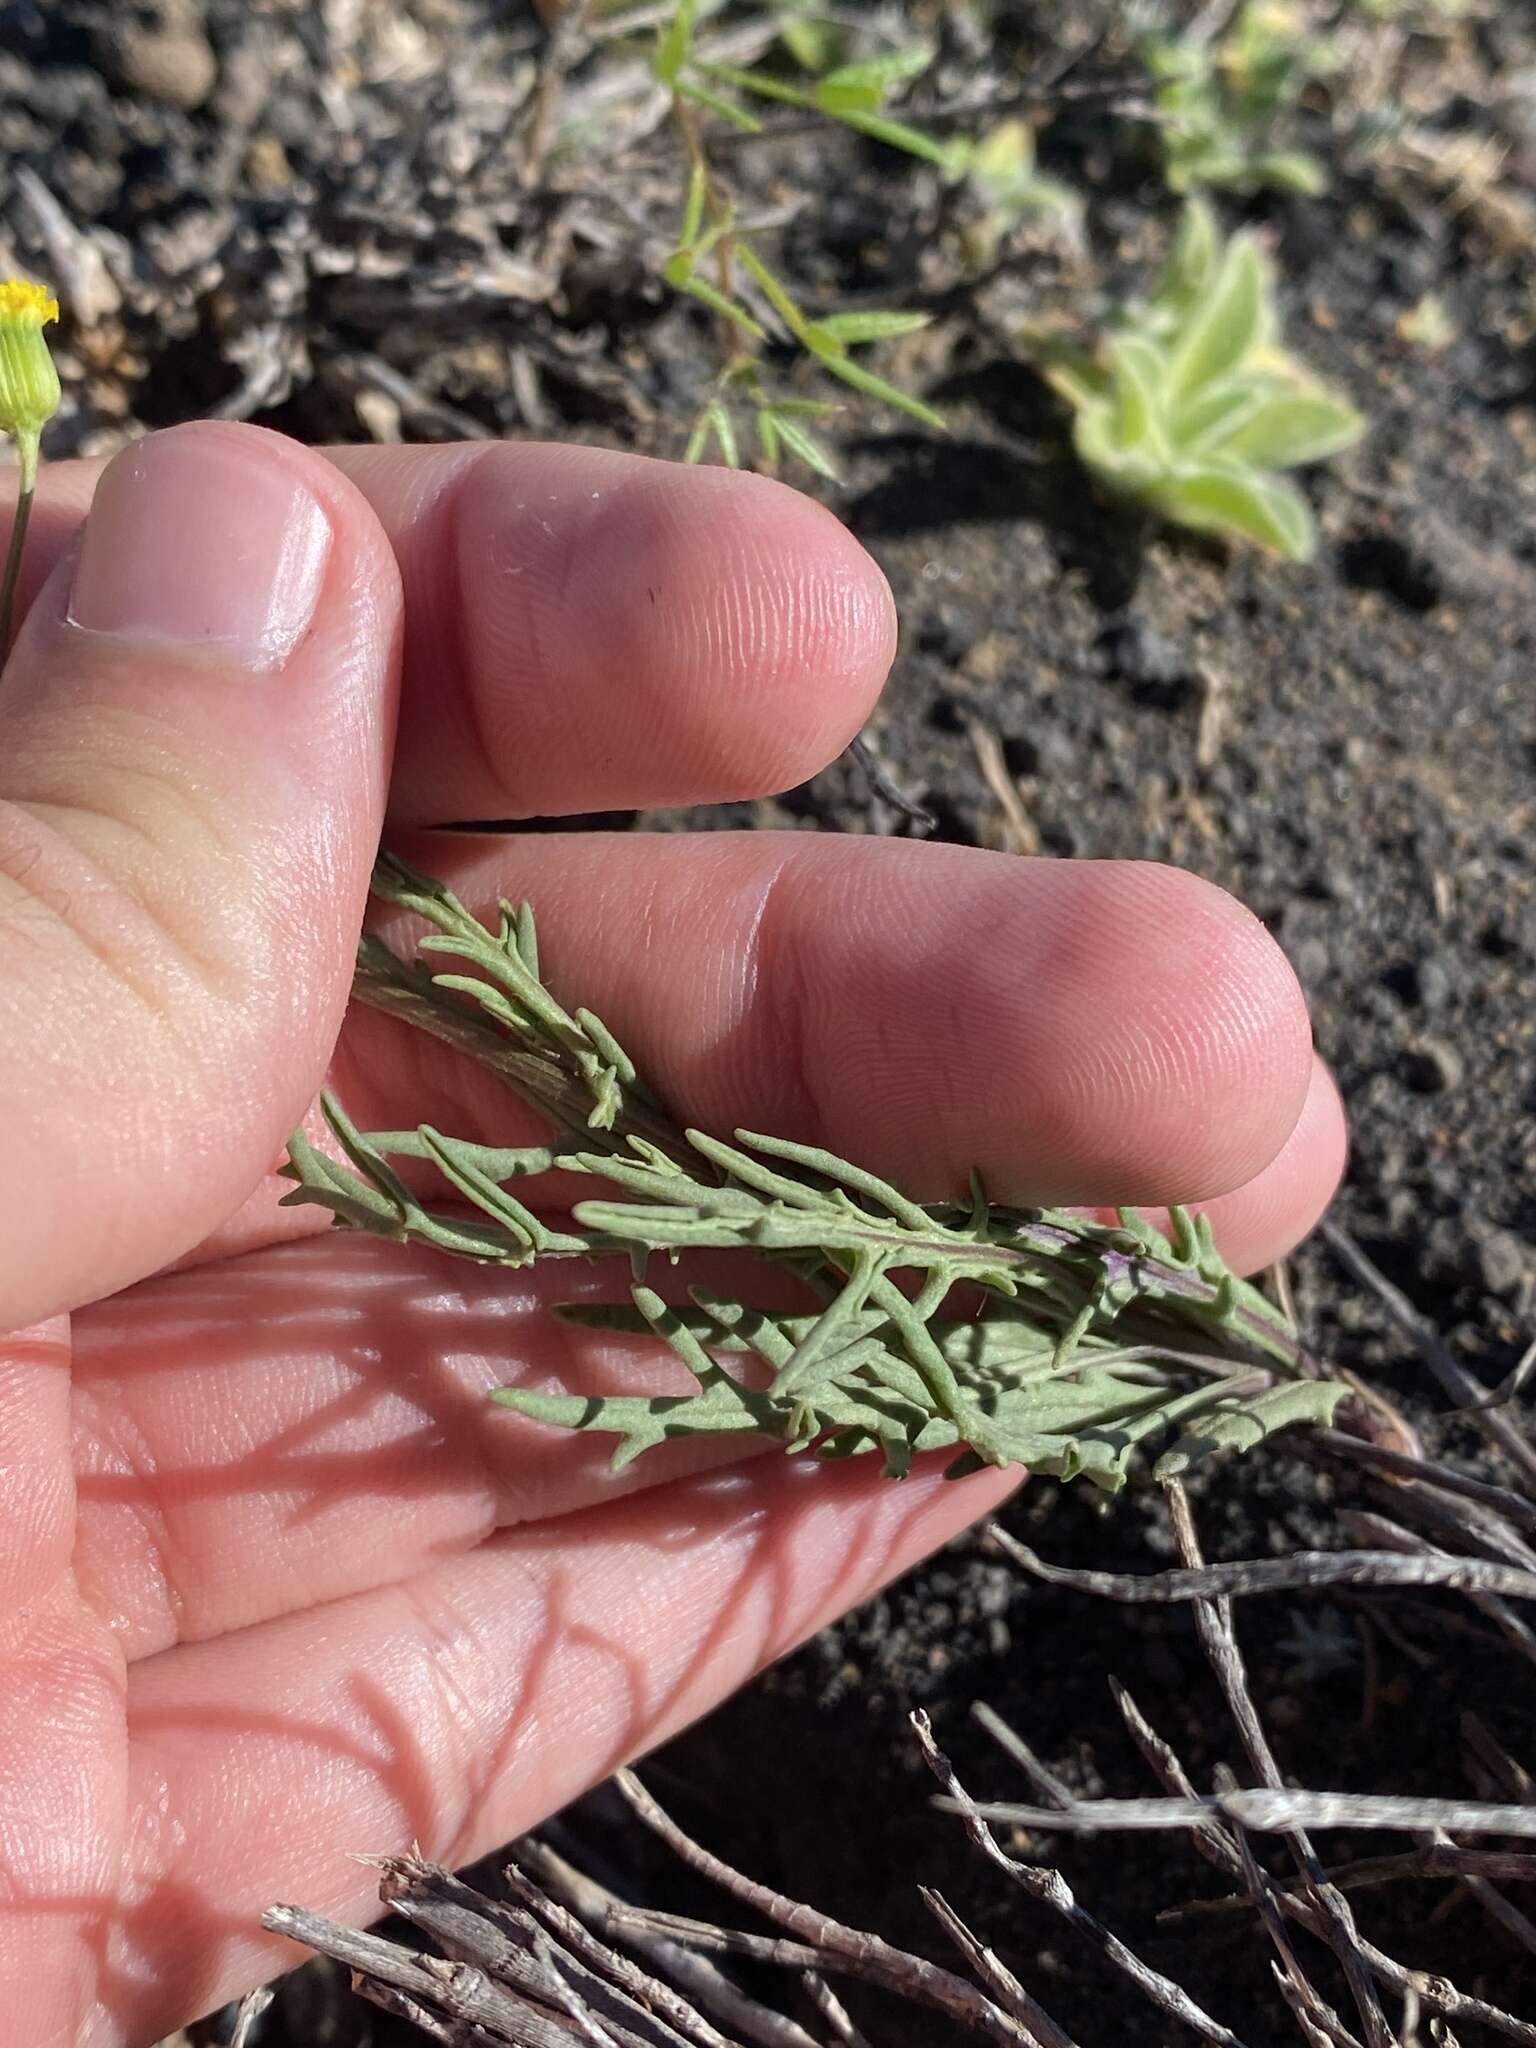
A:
x: 451, y: 1993
x: 832, y: 2010
x: 1049, y: 1888
x: 705, y: 1985
x: 1338, y: 1445
x: 1264, y: 1811
x: 1434, y: 1858
x: 1219, y: 1846
x: 993, y: 1972
x: 832, y: 1945
x: 1452, y: 1375
x: 1213, y: 1623
x: 1306, y: 1571
x: 629, y: 1978
x: 1518, y: 1633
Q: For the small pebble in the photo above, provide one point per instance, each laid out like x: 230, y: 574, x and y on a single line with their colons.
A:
x: 1432, y: 1067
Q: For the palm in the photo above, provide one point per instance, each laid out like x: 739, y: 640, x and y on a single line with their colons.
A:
x: 283, y: 1585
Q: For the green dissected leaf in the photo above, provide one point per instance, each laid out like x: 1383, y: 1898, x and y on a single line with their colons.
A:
x: 1290, y: 170
x: 1092, y: 1339
x: 777, y: 295
x: 1287, y: 428
x: 714, y: 423
x: 808, y: 408
x: 854, y: 328
x: 876, y: 387
x: 811, y: 42
x: 693, y: 211
x: 864, y: 86
x: 721, y: 1409
x: 762, y: 83
x: 807, y: 447
x: 738, y: 117
x: 1308, y: 1403
x: 725, y: 435
x: 676, y: 41
x: 697, y: 288
x: 1244, y: 501
x: 949, y: 156
x: 1232, y: 317
x: 768, y: 437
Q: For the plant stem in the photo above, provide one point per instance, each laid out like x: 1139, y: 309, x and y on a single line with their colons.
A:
x: 27, y: 450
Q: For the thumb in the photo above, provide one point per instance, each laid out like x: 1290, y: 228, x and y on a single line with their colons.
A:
x: 195, y: 728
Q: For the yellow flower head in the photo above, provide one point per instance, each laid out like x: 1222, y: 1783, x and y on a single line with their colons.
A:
x: 26, y: 303
x: 29, y: 383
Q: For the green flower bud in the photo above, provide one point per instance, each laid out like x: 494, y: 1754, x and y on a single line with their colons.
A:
x: 29, y: 383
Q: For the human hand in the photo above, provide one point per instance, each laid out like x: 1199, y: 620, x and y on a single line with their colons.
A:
x: 281, y: 1584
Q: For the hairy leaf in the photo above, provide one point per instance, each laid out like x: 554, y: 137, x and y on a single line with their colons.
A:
x: 1241, y: 500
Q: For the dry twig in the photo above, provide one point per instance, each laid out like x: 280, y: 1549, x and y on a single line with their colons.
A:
x: 832, y: 1945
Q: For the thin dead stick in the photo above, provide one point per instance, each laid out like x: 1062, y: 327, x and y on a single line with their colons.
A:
x: 1213, y: 1625
x: 252, y: 2006
x: 456, y: 1991
x: 708, y: 1987
x: 1518, y: 1633
x: 1263, y: 1811
x: 1426, y: 1472
x: 1317, y: 2018
x: 697, y: 1975
x: 401, y: 2006
x: 1456, y: 1381
x: 1040, y: 2028
x: 1464, y: 1523
x: 778, y: 1949
x: 509, y: 1945
x: 1493, y: 1902
x: 832, y: 2010
x: 1514, y: 1382
x: 566, y: 42
x: 1502, y: 1771
x: 1051, y: 1889
x: 832, y: 1944
x: 1215, y: 697
x: 1217, y: 1844
x: 1437, y: 1858
x: 399, y: 389
x: 1301, y: 2012
x: 1305, y: 1571
x: 1018, y: 827
x: 1049, y: 1787
x: 886, y: 787
x: 589, y: 2027
x: 636, y: 1983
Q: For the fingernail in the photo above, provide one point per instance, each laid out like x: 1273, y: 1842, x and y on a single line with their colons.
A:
x: 203, y: 538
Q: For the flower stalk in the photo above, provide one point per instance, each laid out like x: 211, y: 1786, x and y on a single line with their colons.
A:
x: 29, y: 397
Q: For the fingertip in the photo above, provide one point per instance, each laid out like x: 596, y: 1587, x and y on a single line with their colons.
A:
x: 651, y: 633
x: 1112, y: 1031
x: 1268, y: 1218
x: 1270, y: 1215
x: 1210, y: 988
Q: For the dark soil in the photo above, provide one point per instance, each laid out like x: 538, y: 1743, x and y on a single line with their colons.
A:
x: 1367, y: 782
